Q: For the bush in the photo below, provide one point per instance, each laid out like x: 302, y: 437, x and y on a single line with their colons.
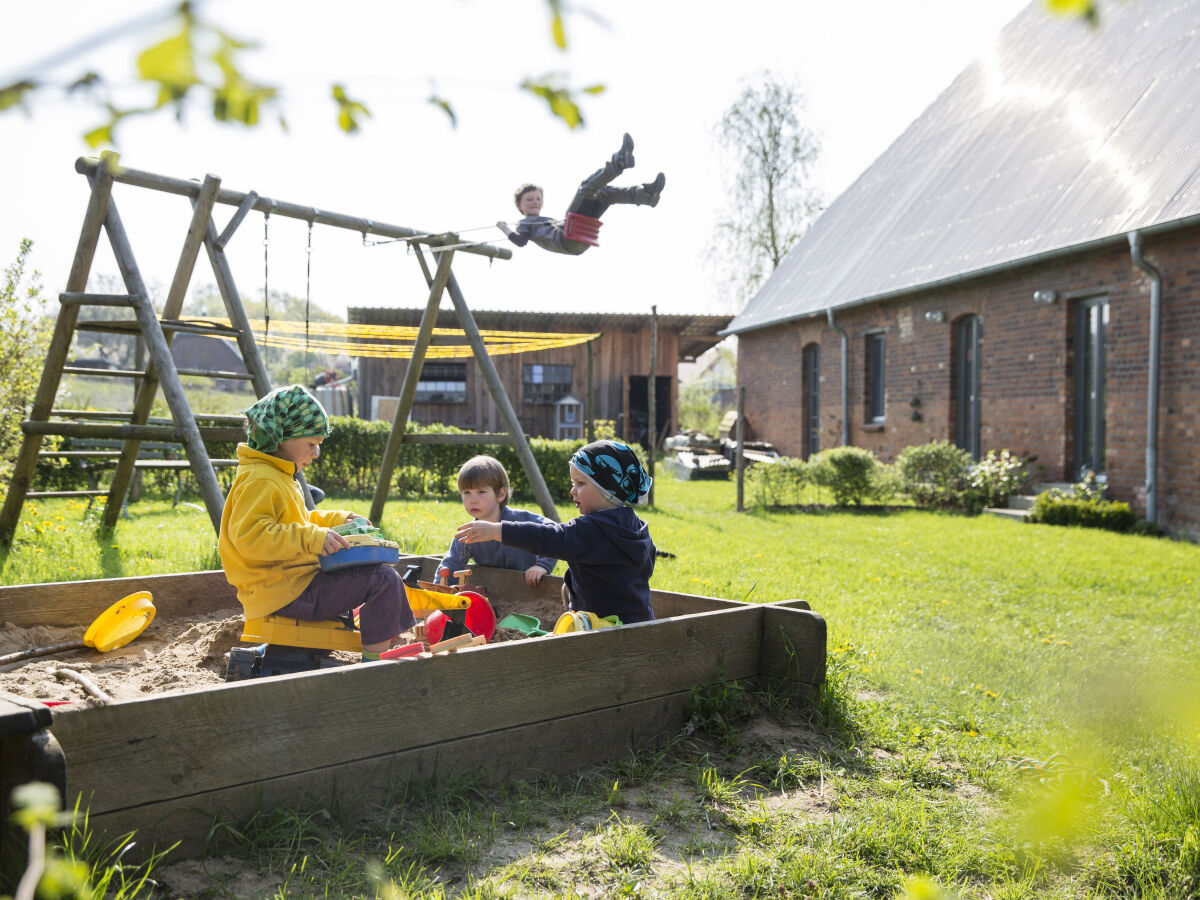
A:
x: 851, y: 473
x: 1112, y: 515
x: 780, y: 483
x: 1085, y: 506
x: 997, y: 477
x: 934, y: 474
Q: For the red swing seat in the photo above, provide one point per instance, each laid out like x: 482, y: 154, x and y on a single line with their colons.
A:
x: 584, y: 229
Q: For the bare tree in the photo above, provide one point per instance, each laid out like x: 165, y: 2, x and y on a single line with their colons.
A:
x: 771, y: 155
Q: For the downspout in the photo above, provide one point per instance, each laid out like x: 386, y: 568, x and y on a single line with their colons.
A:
x: 845, y: 377
x: 1135, y: 252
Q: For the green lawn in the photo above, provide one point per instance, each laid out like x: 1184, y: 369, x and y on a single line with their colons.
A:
x: 1013, y: 710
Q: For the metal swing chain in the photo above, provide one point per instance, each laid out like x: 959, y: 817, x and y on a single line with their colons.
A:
x: 308, y: 291
x: 266, y: 278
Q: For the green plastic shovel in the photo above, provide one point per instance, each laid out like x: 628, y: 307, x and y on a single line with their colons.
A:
x: 529, y: 626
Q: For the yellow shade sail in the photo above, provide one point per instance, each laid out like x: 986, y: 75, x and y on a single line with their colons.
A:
x: 394, y: 341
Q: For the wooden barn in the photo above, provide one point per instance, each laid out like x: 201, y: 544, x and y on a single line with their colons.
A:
x: 1018, y: 270
x: 547, y: 388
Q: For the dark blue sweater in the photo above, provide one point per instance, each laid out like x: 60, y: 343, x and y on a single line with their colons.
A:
x: 609, y: 556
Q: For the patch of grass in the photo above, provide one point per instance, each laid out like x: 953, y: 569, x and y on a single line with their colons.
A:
x: 1009, y: 710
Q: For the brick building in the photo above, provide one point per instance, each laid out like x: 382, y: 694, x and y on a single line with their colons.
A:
x: 992, y: 279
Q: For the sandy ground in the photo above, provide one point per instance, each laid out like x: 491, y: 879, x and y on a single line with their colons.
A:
x: 170, y: 655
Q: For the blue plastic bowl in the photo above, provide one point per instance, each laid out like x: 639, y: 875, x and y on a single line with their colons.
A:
x: 360, y: 556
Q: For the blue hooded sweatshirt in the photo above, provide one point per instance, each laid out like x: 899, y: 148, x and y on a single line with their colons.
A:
x: 609, y: 556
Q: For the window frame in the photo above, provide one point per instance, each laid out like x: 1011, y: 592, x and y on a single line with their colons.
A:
x: 436, y: 379
x: 810, y: 363
x: 1090, y: 373
x: 968, y: 370
x: 538, y: 390
x: 875, y: 395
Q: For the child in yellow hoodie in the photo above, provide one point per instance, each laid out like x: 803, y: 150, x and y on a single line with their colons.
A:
x: 270, y: 543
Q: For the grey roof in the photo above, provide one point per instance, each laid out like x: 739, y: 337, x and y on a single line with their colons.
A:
x: 1066, y: 136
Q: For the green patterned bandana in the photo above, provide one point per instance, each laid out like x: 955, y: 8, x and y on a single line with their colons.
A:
x: 286, y: 412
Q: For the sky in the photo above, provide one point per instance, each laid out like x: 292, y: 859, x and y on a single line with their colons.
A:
x: 670, y: 69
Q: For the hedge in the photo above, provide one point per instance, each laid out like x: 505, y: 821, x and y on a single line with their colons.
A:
x: 1112, y: 515
x: 350, y: 457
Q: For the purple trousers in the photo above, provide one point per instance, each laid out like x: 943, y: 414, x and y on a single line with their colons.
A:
x: 378, y: 589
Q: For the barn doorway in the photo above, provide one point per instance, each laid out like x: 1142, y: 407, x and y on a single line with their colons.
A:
x: 637, y: 402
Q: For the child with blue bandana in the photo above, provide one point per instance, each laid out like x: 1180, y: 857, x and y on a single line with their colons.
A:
x: 271, y: 545
x: 607, y: 548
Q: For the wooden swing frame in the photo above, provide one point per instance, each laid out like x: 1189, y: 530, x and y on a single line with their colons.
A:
x: 134, y: 427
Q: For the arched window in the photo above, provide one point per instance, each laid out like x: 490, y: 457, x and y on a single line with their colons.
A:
x: 1091, y: 351
x: 968, y: 344
x: 812, y: 399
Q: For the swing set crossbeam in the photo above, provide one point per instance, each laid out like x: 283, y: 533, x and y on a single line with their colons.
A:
x: 88, y: 166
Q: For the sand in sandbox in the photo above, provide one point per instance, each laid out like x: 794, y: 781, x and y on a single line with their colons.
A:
x: 170, y: 655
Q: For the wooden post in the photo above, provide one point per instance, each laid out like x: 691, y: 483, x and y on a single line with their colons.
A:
x: 589, y: 409
x: 500, y: 398
x: 60, y: 345
x: 201, y: 213
x: 185, y: 188
x: 652, y: 397
x: 740, y: 462
x: 408, y: 391
x: 164, y: 368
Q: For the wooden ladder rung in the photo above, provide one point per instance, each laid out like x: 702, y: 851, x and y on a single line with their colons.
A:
x: 76, y: 298
x: 79, y: 454
x: 205, y: 373
x: 132, y: 326
x: 33, y: 495
x: 124, y: 432
x: 103, y: 373
x: 181, y: 463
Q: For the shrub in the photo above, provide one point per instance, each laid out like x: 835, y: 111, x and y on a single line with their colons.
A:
x: 849, y: 472
x: 934, y: 474
x: 1112, y: 515
x: 997, y: 477
x: 24, y: 336
x: 780, y: 483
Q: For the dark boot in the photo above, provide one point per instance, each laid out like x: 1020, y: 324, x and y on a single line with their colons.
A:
x: 648, y: 194
x: 623, y: 158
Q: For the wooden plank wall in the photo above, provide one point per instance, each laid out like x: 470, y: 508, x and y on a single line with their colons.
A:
x: 551, y: 704
x: 616, y: 354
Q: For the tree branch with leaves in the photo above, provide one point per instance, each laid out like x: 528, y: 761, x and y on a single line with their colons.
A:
x: 200, y: 59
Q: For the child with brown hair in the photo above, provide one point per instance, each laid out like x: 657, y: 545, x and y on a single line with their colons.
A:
x: 594, y: 196
x: 483, y: 483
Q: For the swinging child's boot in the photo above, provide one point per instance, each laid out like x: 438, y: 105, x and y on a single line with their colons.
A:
x: 623, y: 158
x: 648, y: 194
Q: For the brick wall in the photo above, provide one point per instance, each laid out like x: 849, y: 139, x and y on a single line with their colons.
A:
x: 1027, y: 381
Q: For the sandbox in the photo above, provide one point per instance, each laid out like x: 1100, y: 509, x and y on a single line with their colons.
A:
x: 172, y: 764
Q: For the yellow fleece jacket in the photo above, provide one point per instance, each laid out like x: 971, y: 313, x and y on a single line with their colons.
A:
x: 269, y: 543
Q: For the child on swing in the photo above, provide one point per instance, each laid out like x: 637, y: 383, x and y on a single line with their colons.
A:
x: 593, y: 197
x: 270, y: 544
x: 608, y: 550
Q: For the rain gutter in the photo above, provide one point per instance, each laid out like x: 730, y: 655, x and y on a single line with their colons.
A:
x: 1135, y: 252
